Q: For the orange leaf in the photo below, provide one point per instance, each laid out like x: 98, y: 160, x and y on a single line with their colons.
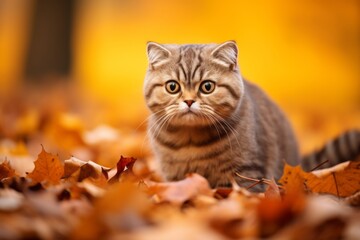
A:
x: 181, y: 191
x: 293, y: 178
x: 48, y: 168
x: 275, y: 213
x: 6, y: 170
x: 341, y: 183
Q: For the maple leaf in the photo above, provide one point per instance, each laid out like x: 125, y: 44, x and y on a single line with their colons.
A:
x: 6, y: 170
x: 342, y: 183
x: 48, y: 168
x: 293, y: 179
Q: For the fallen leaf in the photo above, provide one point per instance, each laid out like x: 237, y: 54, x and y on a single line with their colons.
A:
x: 6, y: 170
x: 272, y: 190
x: 293, y: 179
x: 124, y: 162
x: 181, y: 191
x: 275, y: 213
x: 79, y: 170
x: 48, y: 168
x: 342, y: 183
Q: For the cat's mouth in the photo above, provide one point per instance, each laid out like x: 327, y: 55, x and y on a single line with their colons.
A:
x: 188, y: 113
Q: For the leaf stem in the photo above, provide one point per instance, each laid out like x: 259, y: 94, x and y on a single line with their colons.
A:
x: 316, y: 167
x: 257, y: 181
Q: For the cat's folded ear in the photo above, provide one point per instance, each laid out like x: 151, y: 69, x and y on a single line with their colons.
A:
x: 157, y: 53
x: 226, y: 54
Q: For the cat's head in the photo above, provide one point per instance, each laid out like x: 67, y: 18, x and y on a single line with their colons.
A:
x: 193, y: 84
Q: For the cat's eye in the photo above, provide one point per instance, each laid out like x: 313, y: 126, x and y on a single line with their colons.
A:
x: 207, y: 87
x: 172, y: 87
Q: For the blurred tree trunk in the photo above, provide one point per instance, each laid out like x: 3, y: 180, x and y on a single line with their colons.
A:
x: 49, y: 51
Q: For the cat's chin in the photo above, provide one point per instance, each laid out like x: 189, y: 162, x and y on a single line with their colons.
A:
x: 190, y: 119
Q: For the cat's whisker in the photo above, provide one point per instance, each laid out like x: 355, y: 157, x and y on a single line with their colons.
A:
x: 213, y: 123
x: 211, y: 114
x: 147, y: 119
x: 170, y: 112
x: 161, y: 125
x: 223, y: 121
x: 155, y: 124
x: 231, y: 128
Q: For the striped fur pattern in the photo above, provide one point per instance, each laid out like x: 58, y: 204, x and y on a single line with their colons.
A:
x: 207, y: 119
x: 345, y: 147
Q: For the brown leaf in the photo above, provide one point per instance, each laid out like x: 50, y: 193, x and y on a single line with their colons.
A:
x: 124, y: 162
x: 70, y: 167
x: 221, y: 193
x: 48, y: 168
x: 293, y: 179
x: 6, y: 170
x: 181, y: 191
x: 272, y: 190
x: 275, y: 213
x: 342, y: 183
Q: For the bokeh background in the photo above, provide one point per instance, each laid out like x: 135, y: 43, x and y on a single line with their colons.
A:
x: 304, y: 54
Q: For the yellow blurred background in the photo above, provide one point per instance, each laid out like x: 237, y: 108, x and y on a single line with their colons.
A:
x: 304, y: 54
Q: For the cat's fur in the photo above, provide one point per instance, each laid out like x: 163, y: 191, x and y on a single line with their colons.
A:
x: 234, y: 129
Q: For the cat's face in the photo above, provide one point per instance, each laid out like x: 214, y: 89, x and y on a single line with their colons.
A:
x: 192, y: 85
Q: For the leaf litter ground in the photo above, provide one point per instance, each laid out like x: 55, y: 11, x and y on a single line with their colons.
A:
x: 46, y: 193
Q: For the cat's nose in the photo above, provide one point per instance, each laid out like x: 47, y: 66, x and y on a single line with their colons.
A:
x: 189, y: 102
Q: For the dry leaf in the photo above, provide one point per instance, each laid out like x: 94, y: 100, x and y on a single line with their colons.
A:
x: 181, y: 191
x: 273, y: 190
x: 48, y: 168
x: 124, y: 162
x: 275, y: 213
x: 343, y: 183
x: 293, y: 179
x: 6, y: 170
x: 79, y: 170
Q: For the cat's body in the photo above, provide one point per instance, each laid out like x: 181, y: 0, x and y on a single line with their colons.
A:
x: 254, y: 142
x: 233, y: 129
x: 207, y: 119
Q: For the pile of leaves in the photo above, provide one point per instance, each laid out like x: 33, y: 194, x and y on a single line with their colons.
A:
x: 75, y: 199
x: 61, y: 178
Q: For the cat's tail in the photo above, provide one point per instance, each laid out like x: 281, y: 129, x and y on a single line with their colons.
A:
x: 345, y: 147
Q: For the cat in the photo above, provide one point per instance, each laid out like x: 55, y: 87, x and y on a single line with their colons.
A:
x: 206, y: 118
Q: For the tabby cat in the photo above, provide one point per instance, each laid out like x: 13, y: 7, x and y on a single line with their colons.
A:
x: 207, y: 119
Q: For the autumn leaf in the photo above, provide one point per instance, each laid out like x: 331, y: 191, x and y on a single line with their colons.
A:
x: 78, y: 171
x: 293, y: 179
x: 6, y: 170
x: 124, y: 162
x: 48, y: 168
x: 343, y: 183
x: 274, y: 212
x: 181, y: 191
x: 272, y: 190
